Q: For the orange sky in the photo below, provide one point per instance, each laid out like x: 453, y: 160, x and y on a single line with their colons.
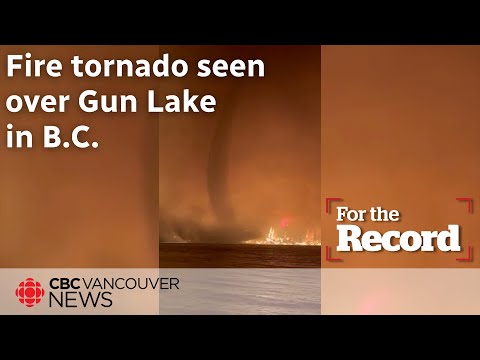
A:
x: 273, y: 160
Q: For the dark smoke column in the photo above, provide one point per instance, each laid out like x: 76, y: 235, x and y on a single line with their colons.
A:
x: 217, y: 168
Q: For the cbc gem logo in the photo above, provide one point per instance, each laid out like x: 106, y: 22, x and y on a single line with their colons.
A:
x: 29, y: 292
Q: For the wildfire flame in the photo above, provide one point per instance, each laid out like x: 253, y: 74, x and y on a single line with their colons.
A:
x: 310, y: 237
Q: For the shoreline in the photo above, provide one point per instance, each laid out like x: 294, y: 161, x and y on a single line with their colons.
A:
x: 214, y: 255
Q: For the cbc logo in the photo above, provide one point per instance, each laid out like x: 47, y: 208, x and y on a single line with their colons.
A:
x: 29, y: 292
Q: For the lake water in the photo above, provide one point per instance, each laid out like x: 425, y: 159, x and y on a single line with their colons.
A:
x: 241, y: 279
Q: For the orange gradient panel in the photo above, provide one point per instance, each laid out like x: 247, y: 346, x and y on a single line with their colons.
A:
x: 79, y: 207
x: 400, y: 129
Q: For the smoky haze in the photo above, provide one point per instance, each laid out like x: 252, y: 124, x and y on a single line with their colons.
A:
x: 230, y: 175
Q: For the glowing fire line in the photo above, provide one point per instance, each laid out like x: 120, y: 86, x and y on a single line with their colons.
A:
x: 311, y: 238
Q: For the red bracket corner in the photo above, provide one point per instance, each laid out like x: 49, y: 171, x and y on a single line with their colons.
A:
x: 470, y: 255
x: 470, y: 203
x: 327, y: 255
x: 328, y: 201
